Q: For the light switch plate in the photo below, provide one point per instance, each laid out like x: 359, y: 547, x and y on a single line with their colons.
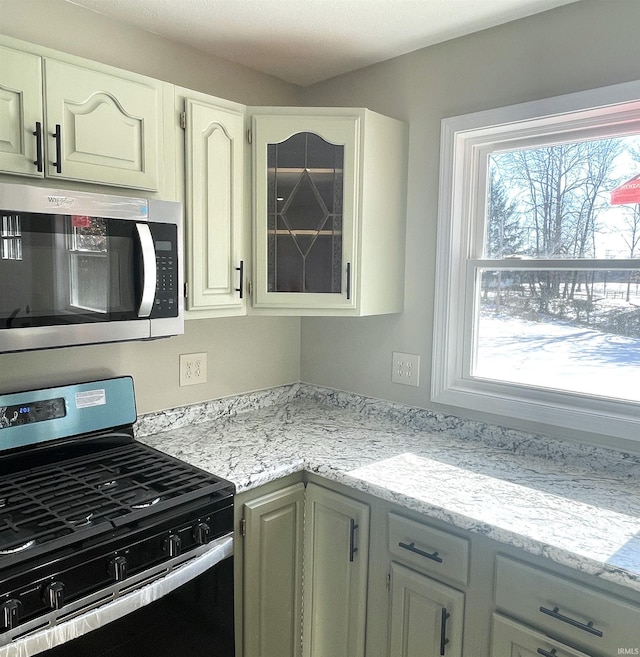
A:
x: 193, y: 369
x: 405, y: 369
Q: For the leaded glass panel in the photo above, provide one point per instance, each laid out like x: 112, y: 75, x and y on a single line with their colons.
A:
x: 304, y: 215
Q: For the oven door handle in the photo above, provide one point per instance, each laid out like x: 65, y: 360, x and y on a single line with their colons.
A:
x: 149, y: 271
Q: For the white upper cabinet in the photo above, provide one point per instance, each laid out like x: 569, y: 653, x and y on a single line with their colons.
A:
x: 21, y: 115
x: 214, y: 142
x: 81, y: 121
x: 102, y: 127
x: 329, y: 206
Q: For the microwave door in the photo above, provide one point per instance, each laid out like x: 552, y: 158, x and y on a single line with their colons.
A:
x: 27, y: 269
x: 82, y: 271
x: 99, y: 277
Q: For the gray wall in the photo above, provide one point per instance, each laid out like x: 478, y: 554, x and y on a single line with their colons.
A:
x: 588, y: 44
x: 580, y: 46
x: 244, y: 354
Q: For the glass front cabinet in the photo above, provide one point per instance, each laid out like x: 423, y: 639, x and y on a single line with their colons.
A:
x: 329, y: 211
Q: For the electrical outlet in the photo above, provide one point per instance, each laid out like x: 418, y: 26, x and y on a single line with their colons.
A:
x: 406, y: 369
x: 193, y: 369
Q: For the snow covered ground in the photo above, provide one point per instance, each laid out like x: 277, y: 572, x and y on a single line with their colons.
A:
x: 556, y: 355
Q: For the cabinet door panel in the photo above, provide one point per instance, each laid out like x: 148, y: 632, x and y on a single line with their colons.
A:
x: 306, y: 177
x: 583, y: 616
x: 273, y: 574
x: 20, y: 110
x: 214, y: 173
x: 426, y: 616
x: 511, y: 639
x: 336, y: 564
x: 109, y: 126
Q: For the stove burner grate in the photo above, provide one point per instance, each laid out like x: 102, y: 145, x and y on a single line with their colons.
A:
x: 48, y: 502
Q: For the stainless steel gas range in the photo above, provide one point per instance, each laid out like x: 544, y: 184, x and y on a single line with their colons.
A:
x: 98, y: 530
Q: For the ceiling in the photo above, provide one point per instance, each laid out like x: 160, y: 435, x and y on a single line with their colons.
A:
x: 307, y: 41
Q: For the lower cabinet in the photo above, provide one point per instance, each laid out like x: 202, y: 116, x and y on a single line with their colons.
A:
x: 335, y: 578
x: 426, y: 616
x: 322, y: 573
x: 304, y: 544
x: 577, y: 616
x: 272, y: 583
x: 511, y: 639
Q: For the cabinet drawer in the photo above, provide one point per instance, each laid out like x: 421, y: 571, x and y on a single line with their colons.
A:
x: 511, y: 638
x: 429, y: 550
x: 587, y: 618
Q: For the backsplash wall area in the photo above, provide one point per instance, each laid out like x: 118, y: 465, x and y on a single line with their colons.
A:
x: 244, y: 353
x: 579, y: 46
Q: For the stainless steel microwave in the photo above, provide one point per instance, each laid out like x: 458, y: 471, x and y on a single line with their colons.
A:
x: 83, y: 268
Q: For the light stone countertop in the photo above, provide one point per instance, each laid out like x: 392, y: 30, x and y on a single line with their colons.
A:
x: 578, y: 506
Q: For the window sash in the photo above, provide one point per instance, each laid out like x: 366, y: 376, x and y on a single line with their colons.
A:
x: 466, y: 143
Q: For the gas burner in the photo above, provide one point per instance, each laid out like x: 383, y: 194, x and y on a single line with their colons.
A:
x: 20, y: 548
x: 83, y: 521
x: 146, y: 505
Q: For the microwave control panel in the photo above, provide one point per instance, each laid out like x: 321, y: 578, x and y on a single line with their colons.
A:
x: 165, y: 239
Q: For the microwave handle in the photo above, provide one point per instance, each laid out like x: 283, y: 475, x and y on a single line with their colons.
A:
x: 148, y: 268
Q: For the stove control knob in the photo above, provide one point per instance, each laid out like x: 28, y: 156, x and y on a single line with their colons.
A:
x: 53, y: 595
x: 118, y: 568
x: 10, y: 610
x: 173, y: 545
x: 201, y: 533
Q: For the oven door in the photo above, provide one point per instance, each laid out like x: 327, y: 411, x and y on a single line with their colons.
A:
x: 188, y: 612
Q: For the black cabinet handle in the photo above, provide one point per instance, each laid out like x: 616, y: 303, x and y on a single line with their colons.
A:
x: 434, y: 556
x: 587, y: 627
x: 348, y: 280
x: 38, y: 135
x: 57, y: 135
x: 443, y: 630
x: 547, y: 653
x: 352, y: 539
x: 241, y: 286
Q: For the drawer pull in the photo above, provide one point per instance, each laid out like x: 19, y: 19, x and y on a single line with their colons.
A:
x: 547, y: 653
x: 443, y: 630
x: 352, y: 538
x: 434, y: 556
x: 588, y: 627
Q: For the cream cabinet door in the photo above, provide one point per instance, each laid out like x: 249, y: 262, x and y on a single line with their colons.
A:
x: 21, y: 122
x: 272, y: 585
x: 214, y: 167
x: 335, y: 581
x: 102, y: 127
x: 305, y: 191
x: 511, y: 639
x: 426, y: 616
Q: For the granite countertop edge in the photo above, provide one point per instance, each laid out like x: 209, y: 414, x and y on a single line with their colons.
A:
x: 512, y: 487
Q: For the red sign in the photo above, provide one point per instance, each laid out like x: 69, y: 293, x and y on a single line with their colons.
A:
x: 80, y: 221
x: 628, y: 192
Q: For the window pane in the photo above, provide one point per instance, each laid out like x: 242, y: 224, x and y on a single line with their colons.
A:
x: 577, y: 331
x: 556, y: 201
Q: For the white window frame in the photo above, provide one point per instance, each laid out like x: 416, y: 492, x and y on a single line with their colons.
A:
x: 466, y: 142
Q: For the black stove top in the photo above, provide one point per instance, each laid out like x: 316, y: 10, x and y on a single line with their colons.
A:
x: 87, y: 514
x: 52, y: 505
